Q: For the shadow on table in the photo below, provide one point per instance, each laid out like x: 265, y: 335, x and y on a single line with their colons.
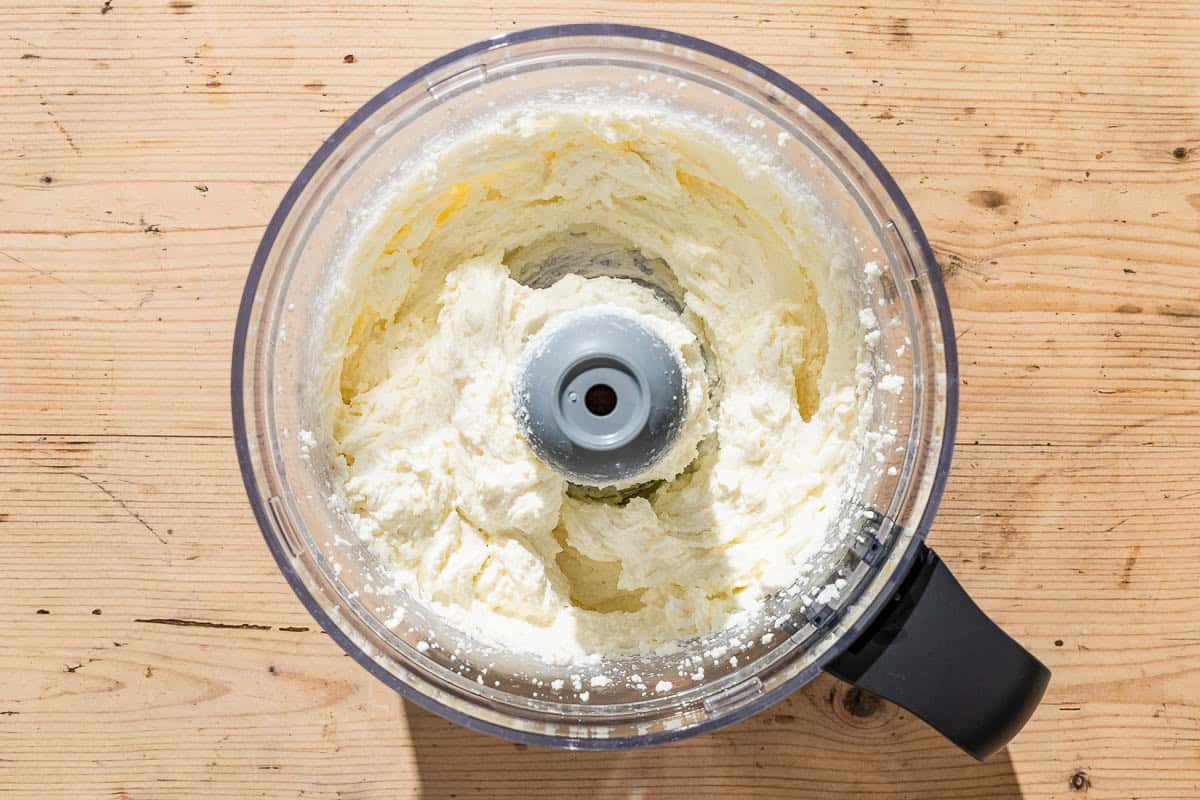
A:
x: 827, y: 740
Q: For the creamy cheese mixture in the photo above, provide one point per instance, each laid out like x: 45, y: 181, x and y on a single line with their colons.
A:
x: 428, y: 329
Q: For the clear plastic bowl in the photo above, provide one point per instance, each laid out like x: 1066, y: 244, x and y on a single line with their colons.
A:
x: 278, y: 339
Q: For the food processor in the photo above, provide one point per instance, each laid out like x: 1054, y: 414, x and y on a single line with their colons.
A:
x: 875, y: 606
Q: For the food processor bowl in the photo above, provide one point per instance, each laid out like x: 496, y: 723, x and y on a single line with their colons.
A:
x: 875, y: 606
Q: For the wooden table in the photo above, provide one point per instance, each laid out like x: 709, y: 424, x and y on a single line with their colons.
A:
x: 152, y: 650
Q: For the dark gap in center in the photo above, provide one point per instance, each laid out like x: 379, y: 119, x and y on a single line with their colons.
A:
x: 600, y: 400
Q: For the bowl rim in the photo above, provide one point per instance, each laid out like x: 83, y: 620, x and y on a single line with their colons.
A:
x: 924, y: 255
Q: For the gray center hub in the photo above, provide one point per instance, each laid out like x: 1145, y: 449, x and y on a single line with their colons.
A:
x: 600, y: 397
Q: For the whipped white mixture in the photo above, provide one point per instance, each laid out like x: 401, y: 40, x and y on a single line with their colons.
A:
x: 428, y: 329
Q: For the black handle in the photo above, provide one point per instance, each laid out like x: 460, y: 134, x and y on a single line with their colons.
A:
x: 935, y: 653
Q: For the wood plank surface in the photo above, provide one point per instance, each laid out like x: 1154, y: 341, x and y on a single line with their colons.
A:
x: 151, y: 648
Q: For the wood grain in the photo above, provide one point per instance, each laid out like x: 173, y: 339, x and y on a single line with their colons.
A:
x: 151, y: 649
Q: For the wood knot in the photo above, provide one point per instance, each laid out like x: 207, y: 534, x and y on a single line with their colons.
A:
x: 988, y: 198
x: 860, y: 708
x: 1080, y: 782
x: 860, y: 703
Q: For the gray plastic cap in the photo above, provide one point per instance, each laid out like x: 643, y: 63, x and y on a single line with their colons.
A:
x: 600, y: 397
